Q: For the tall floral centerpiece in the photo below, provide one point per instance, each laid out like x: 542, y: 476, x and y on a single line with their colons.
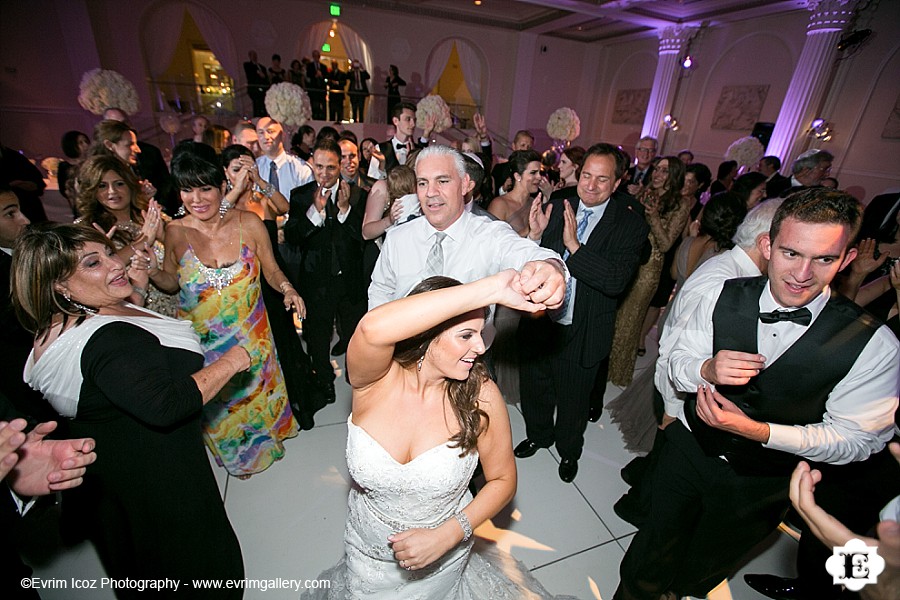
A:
x: 433, y: 107
x: 288, y: 104
x: 563, y: 126
x: 101, y: 89
x: 746, y: 152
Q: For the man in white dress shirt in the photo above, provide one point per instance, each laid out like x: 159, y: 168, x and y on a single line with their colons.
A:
x: 276, y: 166
x: 453, y: 242
x: 797, y: 372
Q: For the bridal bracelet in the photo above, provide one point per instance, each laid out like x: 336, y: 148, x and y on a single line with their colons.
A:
x: 463, y: 521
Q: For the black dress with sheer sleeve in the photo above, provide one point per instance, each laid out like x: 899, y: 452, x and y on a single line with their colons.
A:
x: 151, y: 498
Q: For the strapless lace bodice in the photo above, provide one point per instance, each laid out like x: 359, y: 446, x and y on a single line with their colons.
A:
x: 389, y: 497
x: 424, y: 492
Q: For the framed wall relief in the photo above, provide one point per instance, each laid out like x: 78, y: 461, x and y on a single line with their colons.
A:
x: 739, y: 107
x: 891, y: 129
x: 631, y: 106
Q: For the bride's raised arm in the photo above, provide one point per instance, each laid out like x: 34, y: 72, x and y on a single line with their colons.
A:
x: 371, y: 348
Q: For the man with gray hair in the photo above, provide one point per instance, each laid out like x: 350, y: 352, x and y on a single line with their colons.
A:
x: 808, y: 170
x: 744, y: 260
x: 639, y: 175
x: 453, y: 242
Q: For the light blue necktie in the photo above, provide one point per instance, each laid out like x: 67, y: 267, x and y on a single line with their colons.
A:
x: 581, y: 229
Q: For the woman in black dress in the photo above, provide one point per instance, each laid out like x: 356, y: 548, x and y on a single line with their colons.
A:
x: 393, y: 84
x: 133, y: 380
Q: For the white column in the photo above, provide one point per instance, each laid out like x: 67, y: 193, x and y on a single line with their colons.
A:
x: 811, y: 77
x: 672, y: 41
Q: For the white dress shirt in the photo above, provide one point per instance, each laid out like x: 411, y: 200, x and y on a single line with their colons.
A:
x: 859, y: 411
x: 292, y: 172
x: 597, y: 213
x: 475, y: 247
x: 317, y: 218
x: 706, y: 281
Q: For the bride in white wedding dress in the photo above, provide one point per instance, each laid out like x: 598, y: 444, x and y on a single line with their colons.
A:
x: 424, y: 412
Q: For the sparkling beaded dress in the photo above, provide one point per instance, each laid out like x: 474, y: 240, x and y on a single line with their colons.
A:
x: 245, y: 425
x: 389, y: 497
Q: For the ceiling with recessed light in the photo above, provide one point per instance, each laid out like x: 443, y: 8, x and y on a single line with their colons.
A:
x: 586, y: 20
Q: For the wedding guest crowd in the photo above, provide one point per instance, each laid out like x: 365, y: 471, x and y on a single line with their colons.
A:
x: 261, y: 243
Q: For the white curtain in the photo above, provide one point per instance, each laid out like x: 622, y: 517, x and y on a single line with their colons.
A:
x: 437, y: 62
x: 470, y: 61
x: 313, y: 40
x: 219, y: 39
x: 356, y: 47
x: 160, y: 37
x: 162, y: 30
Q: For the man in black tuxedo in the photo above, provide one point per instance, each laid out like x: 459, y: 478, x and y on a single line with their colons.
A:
x: 798, y: 373
x: 600, y: 238
x: 358, y: 90
x: 257, y: 84
x: 337, y: 81
x: 808, y: 170
x: 397, y: 149
x: 325, y: 225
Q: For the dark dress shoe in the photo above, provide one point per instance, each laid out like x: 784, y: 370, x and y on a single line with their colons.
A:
x: 526, y: 448
x: 779, y: 588
x: 306, y: 421
x: 339, y: 348
x: 568, y: 469
x: 594, y: 415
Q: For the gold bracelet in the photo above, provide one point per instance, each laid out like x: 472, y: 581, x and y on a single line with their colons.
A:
x: 285, y: 285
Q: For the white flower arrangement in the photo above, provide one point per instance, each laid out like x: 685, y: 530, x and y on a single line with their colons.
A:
x: 51, y: 165
x: 101, y: 89
x: 433, y: 106
x: 564, y: 124
x: 288, y: 104
x: 746, y: 151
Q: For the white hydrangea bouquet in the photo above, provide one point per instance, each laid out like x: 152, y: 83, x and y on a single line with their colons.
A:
x: 101, y: 89
x: 564, y: 124
x: 433, y: 106
x: 288, y: 104
x: 745, y: 151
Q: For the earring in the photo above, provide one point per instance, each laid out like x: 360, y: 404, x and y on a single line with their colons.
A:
x: 85, y: 309
x: 223, y: 208
x: 419, y: 363
x: 181, y: 211
x: 228, y: 186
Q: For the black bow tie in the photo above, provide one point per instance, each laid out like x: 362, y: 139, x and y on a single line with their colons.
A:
x: 801, y: 316
x: 400, y: 145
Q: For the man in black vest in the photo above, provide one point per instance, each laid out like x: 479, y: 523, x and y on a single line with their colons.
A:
x: 799, y: 373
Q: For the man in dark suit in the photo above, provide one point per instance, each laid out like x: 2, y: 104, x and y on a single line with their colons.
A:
x: 315, y: 86
x: 257, y: 83
x: 358, y: 90
x: 639, y: 175
x: 600, y: 239
x: 326, y: 226
x: 776, y: 183
x: 337, y: 80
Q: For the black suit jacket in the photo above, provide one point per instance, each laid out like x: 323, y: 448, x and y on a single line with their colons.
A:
x: 776, y: 185
x: 876, y: 212
x: 363, y: 88
x: 390, y: 155
x: 604, y: 267
x: 321, y: 246
x: 152, y: 167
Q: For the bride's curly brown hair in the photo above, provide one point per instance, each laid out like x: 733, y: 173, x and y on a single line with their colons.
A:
x: 463, y: 394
